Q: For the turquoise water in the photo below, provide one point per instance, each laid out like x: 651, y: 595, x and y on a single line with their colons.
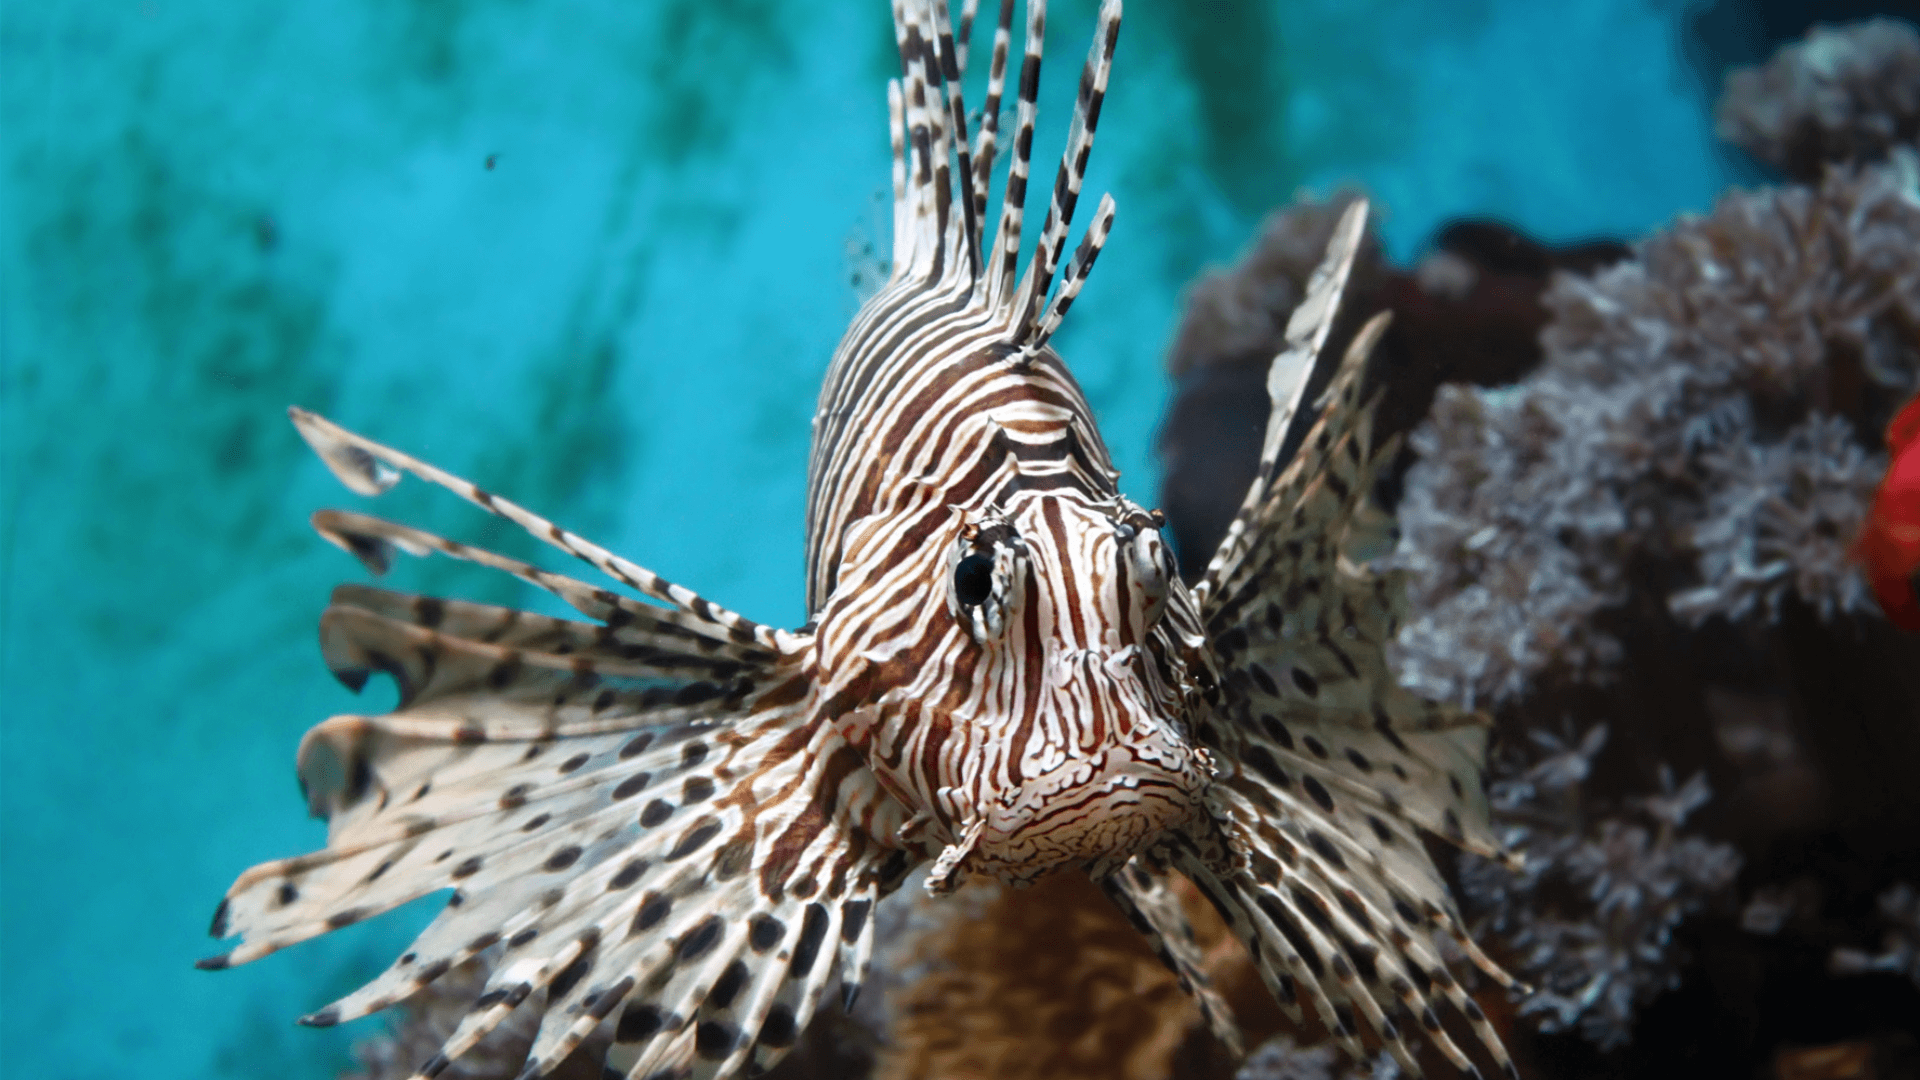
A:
x: 211, y: 211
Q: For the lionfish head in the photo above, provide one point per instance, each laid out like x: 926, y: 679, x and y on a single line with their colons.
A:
x: 1058, y: 608
x: 1018, y: 684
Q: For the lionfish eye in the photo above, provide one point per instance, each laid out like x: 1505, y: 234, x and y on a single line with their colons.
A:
x: 973, y: 579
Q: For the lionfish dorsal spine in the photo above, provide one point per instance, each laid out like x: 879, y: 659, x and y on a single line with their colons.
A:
x: 928, y: 99
x: 935, y: 247
x: 1013, y: 198
x: 1288, y: 375
x: 1066, y: 188
x: 1077, y: 271
x: 986, y: 143
x: 951, y: 68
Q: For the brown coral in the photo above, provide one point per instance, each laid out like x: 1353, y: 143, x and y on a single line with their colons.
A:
x: 1843, y: 94
x: 1051, y: 983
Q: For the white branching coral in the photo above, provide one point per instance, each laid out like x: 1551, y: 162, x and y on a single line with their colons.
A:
x: 1848, y: 93
x: 1688, y: 414
x: 1280, y: 1058
x: 1592, y: 915
x: 1508, y: 560
x: 1777, y: 521
x: 1900, y: 947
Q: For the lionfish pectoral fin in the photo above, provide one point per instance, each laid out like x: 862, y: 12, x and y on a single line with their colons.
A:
x: 1288, y: 376
x: 1146, y: 897
x: 642, y: 816
x: 369, y: 468
x: 360, y: 471
x: 1330, y: 771
x: 1306, y: 627
x: 1338, y: 941
x: 693, y: 876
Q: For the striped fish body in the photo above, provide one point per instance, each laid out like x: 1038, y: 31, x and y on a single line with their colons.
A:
x: 994, y: 629
x: 665, y: 825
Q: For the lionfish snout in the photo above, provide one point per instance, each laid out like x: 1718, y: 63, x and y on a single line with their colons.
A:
x: 1102, y: 776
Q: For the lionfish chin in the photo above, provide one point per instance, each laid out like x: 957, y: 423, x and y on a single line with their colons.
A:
x: 674, y: 822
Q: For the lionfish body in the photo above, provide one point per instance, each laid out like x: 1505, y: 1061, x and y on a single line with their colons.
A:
x: 671, y: 823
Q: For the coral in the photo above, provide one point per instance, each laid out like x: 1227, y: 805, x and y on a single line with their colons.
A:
x: 1279, y: 1058
x: 1772, y: 907
x: 1045, y: 983
x: 1590, y: 919
x: 1899, y: 949
x: 1498, y: 543
x: 1842, y: 94
x: 1684, y: 417
x: 1777, y: 521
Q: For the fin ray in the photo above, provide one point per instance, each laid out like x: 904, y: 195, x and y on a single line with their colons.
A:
x: 1144, y: 896
x: 342, y: 449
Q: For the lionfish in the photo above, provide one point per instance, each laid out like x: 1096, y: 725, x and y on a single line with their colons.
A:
x: 672, y: 823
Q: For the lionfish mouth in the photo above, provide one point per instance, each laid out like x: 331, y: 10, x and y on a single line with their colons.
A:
x: 1103, y: 823
x: 1096, y: 808
x: 1132, y: 778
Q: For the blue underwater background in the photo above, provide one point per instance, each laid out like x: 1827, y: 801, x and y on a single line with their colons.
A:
x: 594, y: 255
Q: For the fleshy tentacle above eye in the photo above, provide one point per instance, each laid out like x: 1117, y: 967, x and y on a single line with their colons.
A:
x: 1330, y: 772
x: 642, y: 815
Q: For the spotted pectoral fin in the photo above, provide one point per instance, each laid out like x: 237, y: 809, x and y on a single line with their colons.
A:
x: 1300, y: 632
x: 717, y: 974
x: 1324, y: 704
x: 1305, y: 676
x: 671, y: 816
x: 1145, y: 896
x: 1338, y: 904
x: 1331, y: 771
x: 490, y: 761
x: 1345, y: 939
x: 695, y: 881
x: 1294, y: 535
x: 1277, y: 481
